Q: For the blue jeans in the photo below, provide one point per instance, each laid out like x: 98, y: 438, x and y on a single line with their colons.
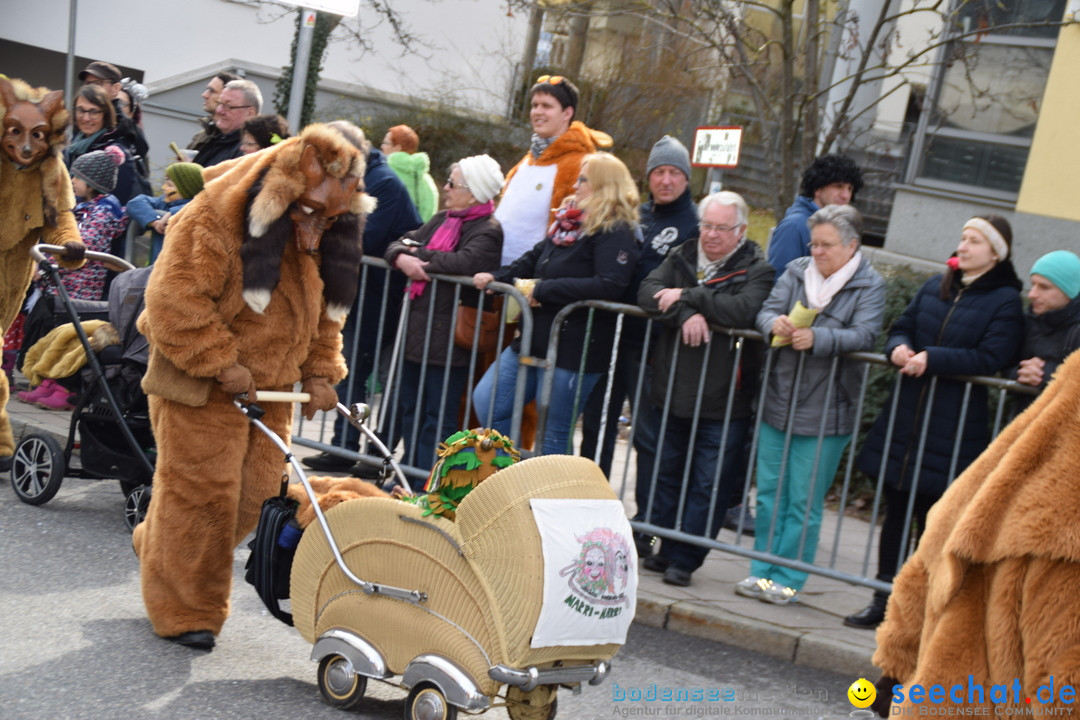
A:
x: 419, y: 407
x: 797, y: 502
x: 560, y: 417
x: 702, y: 455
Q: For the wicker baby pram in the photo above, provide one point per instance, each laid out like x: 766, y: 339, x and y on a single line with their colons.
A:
x: 458, y: 612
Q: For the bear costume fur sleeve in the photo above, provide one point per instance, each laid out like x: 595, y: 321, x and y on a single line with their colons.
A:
x: 990, y: 591
x: 251, y: 291
x: 35, y: 203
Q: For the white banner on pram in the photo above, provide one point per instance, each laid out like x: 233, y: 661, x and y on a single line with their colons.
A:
x: 590, y: 572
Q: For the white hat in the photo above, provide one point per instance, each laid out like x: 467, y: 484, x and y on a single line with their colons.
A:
x: 482, y: 175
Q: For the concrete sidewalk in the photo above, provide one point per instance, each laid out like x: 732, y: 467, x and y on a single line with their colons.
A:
x: 809, y: 633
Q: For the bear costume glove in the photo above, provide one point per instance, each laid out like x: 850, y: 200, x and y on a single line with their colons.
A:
x: 237, y: 379
x: 323, y: 396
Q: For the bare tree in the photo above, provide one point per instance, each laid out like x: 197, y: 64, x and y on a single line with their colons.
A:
x: 803, y: 70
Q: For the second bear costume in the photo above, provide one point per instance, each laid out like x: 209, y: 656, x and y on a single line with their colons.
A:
x: 250, y: 293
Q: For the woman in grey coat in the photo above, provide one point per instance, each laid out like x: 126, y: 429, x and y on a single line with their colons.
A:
x: 811, y: 393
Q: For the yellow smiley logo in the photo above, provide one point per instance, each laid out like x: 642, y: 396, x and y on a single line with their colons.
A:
x: 862, y: 693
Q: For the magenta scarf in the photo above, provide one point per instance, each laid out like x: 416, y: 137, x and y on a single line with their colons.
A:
x: 448, y: 234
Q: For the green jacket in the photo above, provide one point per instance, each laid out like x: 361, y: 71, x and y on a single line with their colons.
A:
x: 413, y: 171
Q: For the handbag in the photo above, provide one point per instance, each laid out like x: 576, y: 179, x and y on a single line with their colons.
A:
x: 269, y: 567
x: 465, y: 330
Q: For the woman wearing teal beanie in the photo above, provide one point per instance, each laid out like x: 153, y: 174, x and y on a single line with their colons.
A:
x: 1052, y: 323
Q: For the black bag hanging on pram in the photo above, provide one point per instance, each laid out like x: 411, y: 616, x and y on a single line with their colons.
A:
x: 270, y: 564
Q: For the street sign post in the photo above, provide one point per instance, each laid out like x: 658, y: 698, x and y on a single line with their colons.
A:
x: 345, y: 8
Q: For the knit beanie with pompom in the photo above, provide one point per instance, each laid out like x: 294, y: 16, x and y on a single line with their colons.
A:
x: 99, y: 169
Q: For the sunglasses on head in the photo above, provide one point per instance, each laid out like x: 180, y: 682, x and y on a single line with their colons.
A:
x: 549, y: 79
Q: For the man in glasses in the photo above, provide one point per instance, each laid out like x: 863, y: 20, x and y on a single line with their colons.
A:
x: 722, y: 280
x: 548, y: 172
x: 830, y: 180
x: 239, y: 100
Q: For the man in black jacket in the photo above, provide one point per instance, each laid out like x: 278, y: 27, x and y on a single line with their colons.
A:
x: 1052, y: 325
x: 721, y: 280
x: 240, y: 100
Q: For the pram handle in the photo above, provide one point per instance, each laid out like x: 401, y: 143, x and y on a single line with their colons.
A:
x: 281, y: 396
x: 112, y: 262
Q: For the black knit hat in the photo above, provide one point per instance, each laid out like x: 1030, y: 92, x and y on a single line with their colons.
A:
x: 99, y: 169
x: 829, y: 169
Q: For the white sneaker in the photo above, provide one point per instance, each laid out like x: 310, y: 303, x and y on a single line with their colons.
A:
x: 752, y: 587
x: 779, y: 595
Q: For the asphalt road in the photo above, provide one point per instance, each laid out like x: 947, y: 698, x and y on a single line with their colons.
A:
x: 78, y: 645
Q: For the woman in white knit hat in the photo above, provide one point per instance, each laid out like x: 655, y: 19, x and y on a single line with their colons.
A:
x: 462, y: 239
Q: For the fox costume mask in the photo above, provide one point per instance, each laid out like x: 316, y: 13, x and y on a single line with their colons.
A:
x: 310, y: 190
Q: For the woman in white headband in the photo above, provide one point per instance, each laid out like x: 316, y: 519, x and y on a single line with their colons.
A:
x: 967, y: 321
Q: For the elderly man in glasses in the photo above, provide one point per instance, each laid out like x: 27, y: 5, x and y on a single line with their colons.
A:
x: 240, y: 100
x: 721, y: 280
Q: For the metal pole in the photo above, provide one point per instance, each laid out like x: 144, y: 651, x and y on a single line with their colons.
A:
x: 69, y: 66
x: 299, y: 78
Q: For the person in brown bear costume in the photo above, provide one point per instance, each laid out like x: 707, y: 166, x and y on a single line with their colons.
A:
x: 250, y: 293
x: 35, y: 205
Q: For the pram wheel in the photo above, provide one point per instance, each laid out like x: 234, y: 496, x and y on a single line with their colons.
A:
x: 339, y: 683
x: 136, y: 501
x: 426, y: 702
x: 37, y: 469
x: 538, y: 704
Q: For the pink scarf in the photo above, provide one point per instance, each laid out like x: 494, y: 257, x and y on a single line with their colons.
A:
x: 448, y: 234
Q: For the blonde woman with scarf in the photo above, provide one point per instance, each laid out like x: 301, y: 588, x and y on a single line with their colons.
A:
x: 823, y: 305
x: 590, y: 253
x: 462, y: 239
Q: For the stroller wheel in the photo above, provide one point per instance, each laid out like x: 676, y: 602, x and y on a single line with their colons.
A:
x: 426, y: 702
x: 135, y: 504
x: 538, y: 704
x: 339, y: 683
x: 37, y: 469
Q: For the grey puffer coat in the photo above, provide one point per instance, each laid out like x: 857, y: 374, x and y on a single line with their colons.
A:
x: 849, y: 323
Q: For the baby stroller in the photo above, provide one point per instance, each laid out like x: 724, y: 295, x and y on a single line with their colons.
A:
x: 532, y: 587
x: 110, y: 422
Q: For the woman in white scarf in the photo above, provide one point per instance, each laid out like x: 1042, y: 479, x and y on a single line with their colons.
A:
x: 823, y: 306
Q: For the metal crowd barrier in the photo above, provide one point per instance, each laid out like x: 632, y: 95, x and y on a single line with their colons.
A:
x: 380, y: 385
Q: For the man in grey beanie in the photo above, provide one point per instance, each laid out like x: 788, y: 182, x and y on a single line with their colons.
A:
x: 667, y: 220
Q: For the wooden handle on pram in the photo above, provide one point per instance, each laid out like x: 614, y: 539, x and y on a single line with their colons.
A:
x: 281, y: 396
